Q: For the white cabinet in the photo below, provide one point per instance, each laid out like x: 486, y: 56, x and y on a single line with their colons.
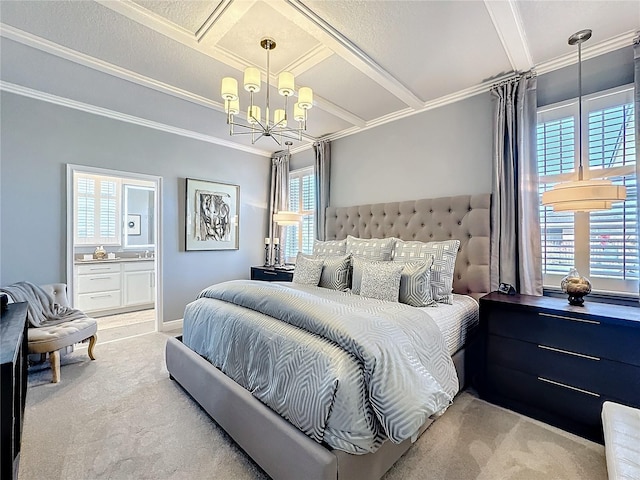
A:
x: 139, y: 283
x: 98, y: 287
x: 116, y: 286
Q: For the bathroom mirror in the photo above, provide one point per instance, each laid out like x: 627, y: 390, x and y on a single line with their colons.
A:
x: 138, y: 216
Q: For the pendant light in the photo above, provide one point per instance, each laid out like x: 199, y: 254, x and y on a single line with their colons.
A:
x: 583, y: 195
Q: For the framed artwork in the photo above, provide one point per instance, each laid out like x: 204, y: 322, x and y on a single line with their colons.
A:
x: 212, y: 216
x: 133, y: 224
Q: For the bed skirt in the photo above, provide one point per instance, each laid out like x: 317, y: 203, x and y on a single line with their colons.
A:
x: 282, y: 451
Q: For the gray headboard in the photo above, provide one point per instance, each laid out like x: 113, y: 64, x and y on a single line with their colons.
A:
x: 464, y: 217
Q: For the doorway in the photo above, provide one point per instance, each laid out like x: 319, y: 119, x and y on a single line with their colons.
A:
x: 114, y: 249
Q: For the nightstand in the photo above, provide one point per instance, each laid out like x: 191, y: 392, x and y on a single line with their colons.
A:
x: 271, y: 274
x: 559, y: 363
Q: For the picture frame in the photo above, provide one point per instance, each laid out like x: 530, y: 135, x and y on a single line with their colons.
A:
x: 133, y: 224
x: 212, y: 216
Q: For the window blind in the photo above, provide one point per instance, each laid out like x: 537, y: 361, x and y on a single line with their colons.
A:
x: 97, y: 205
x: 302, y: 199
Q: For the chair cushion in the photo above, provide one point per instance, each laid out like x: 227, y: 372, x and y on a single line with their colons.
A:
x: 621, y: 440
x: 55, y: 337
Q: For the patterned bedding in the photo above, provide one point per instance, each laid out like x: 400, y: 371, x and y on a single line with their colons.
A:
x: 346, y: 370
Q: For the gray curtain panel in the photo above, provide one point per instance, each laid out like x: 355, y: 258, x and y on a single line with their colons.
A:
x: 322, y: 178
x: 279, y: 197
x: 515, y: 223
x: 636, y: 101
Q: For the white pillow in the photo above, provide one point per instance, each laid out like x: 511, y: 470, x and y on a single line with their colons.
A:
x: 308, y: 270
x: 371, y: 248
x: 381, y: 280
x: 330, y: 247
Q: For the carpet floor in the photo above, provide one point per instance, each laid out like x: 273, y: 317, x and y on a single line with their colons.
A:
x: 121, y: 417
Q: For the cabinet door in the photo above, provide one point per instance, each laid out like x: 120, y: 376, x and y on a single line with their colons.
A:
x: 138, y: 288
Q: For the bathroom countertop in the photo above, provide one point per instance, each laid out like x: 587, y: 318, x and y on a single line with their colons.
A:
x: 112, y: 260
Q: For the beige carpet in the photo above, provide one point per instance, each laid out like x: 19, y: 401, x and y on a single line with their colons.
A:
x: 120, y: 417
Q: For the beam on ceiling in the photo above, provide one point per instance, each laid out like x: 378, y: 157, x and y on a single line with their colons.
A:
x: 300, y: 14
x: 508, y: 24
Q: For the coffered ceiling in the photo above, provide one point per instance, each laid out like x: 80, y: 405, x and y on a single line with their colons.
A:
x: 368, y: 62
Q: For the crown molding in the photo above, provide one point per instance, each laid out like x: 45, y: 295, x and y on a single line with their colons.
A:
x: 214, y: 18
x: 614, y: 43
x: 123, y: 117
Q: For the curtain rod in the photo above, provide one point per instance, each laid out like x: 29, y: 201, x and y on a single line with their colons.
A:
x: 514, y: 77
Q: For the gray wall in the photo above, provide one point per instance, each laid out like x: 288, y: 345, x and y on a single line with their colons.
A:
x: 39, y: 139
x: 441, y: 152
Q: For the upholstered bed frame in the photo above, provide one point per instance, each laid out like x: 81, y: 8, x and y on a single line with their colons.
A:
x: 280, y: 449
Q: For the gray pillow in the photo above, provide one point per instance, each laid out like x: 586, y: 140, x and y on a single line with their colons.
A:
x: 308, y: 270
x: 330, y: 247
x: 381, y: 280
x: 356, y: 273
x: 444, y: 261
x: 371, y: 248
x: 415, y: 283
x: 335, y: 273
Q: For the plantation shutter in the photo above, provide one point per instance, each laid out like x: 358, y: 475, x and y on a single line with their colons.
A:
x: 302, y: 197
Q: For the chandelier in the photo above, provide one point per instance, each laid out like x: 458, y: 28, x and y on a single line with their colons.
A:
x: 583, y: 195
x: 256, y: 125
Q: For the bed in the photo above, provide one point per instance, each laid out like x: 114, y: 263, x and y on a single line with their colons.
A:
x: 283, y: 450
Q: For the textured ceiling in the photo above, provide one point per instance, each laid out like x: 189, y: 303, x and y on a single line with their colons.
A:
x: 368, y: 61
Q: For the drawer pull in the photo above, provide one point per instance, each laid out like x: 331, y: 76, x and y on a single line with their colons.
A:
x: 101, y: 296
x: 569, y: 387
x: 270, y: 273
x: 595, y: 322
x: 100, y: 278
x: 100, y: 268
x: 582, y: 355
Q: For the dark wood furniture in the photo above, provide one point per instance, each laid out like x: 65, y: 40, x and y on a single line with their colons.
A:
x: 13, y: 374
x: 271, y: 274
x: 559, y: 363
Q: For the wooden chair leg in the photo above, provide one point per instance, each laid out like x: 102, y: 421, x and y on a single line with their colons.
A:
x: 54, y: 359
x: 92, y: 343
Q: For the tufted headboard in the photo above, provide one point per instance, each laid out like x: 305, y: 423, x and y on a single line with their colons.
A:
x: 464, y: 217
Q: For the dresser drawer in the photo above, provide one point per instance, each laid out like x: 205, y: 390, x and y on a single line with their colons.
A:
x: 566, y: 331
x: 271, y: 275
x: 601, y: 376
x: 98, y: 268
x: 88, y: 302
x: 139, y: 266
x: 550, y: 402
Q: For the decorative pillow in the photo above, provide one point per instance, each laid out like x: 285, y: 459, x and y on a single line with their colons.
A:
x: 381, y: 280
x: 356, y: 273
x: 330, y: 247
x: 308, y: 270
x: 444, y: 261
x: 335, y: 273
x: 372, y: 248
x: 415, y: 283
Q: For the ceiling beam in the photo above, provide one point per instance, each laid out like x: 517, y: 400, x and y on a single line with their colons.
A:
x: 300, y: 14
x: 224, y: 19
x: 508, y: 24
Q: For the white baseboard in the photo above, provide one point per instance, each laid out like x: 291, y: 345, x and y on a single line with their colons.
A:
x: 171, y: 325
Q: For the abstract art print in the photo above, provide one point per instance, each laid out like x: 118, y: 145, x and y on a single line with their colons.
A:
x: 212, y: 215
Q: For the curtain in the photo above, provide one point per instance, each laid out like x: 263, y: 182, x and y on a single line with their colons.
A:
x: 322, y: 179
x: 278, y: 199
x: 636, y: 107
x: 515, y: 222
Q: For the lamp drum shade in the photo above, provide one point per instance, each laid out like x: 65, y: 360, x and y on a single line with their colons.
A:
x: 584, y: 195
x: 285, y: 217
x: 252, y: 79
x: 286, y: 84
x: 229, y: 89
x: 305, y: 98
x: 232, y: 106
x: 279, y: 118
x: 253, y: 114
x: 298, y: 113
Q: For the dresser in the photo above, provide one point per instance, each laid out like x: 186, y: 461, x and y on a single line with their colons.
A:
x: 559, y: 363
x: 13, y: 374
x: 271, y: 274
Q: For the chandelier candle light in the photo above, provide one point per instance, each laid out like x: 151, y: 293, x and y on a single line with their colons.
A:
x: 583, y: 195
x: 258, y: 126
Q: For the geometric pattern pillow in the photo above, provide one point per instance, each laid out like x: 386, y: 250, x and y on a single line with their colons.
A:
x: 415, y: 283
x: 381, y: 280
x: 371, y: 248
x: 308, y: 270
x: 356, y: 273
x: 444, y: 261
x: 330, y: 247
x: 335, y: 272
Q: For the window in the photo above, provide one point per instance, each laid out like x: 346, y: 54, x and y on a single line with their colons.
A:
x: 97, y: 207
x: 302, y: 199
x: 601, y: 245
